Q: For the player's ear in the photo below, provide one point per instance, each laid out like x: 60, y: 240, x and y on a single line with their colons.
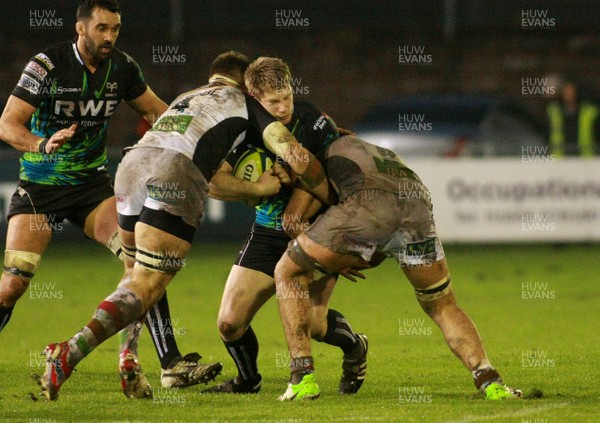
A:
x: 80, y: 28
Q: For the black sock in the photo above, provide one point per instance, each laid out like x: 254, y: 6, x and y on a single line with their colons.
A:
x: 160, y: 326
x: 5, y: 313
x: 339, y: 332
x: 244, y: 352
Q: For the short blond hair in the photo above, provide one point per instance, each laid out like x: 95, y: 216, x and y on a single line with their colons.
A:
x: 267, y: 74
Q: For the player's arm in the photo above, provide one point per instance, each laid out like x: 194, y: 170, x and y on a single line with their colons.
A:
x: 13, y: 129
x: 305, y: 165
x: 278, y: 139
x: 224, y: 186
x: 298, y: 211
x: 148, y: 105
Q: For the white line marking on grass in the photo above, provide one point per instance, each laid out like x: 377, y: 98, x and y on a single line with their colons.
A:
x: 518, y: 413
x: 349, y: 419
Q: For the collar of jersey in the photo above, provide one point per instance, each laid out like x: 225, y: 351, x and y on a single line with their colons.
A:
x: 77, y: 55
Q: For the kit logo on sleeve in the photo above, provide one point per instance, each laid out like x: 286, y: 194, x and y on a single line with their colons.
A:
x: 36, y: 70
x: 29, y: 83
x: 46, y: 60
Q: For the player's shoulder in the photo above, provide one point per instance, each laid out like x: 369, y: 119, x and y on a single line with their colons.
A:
x: 120, y: 56
x: 54, y: 55
x: 311, y: 114
x: 306, y: 108
x: 312, y: 117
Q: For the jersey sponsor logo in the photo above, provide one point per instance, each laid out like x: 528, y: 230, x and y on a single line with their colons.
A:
x: 86, y: 108
x: 177, y: 123
x: 364, y: 247
x: 320, y: 123
x: 420, y: 252
x: 36, y: 70
x: 29, y: 83
x: 46, y: 60
x: 62, y: 90
x: 392, y: 168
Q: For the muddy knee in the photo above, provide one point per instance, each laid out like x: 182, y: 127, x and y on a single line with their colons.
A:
x: 229, y: 331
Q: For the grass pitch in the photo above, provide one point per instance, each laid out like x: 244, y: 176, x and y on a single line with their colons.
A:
x: 536, y: 308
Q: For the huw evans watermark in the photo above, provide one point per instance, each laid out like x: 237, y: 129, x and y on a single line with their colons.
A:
x: 168, y: 55
x: 537, y: 19
x: 414, y: 55
x: 44, y: 19
x: 291, y: 19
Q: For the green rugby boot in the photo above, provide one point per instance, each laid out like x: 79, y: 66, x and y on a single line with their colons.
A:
x: 499, y: 391
x: 307, y: 389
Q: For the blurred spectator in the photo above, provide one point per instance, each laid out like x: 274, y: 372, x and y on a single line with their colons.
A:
x: 573, y: 124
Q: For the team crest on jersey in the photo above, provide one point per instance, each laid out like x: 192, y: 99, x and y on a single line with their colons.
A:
x: 111, y: 86
x: 46, y: 60
x: 36, y: 70
x: 29, y: 83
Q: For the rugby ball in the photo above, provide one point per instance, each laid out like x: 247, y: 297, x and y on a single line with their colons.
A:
x: 253, y: 163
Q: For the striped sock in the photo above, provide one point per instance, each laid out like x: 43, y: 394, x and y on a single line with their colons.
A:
x: 80, y: 345
x: 339, y: 332
x: 244, y: 352
x: 160, y: 326
x: 119, y: 309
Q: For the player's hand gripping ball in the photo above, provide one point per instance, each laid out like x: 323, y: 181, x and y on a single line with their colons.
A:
x: 253, y: 163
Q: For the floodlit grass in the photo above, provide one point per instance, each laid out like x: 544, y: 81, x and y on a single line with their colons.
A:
x: 536, y: 308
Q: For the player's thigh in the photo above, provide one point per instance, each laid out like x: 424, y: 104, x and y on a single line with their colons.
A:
x: 168, y: 192
x: 101, y: 223
x: 28, y: 232
x: 159, y: 242
x: 246, y: 291
x: 349, y: 233
x: 324, y: 256
x: 422, y: 277
x: 127, y: 240
x: 159, y: 256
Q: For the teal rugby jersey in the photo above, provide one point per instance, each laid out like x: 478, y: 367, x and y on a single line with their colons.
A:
x: 64, y: 92
x: 313, y: 129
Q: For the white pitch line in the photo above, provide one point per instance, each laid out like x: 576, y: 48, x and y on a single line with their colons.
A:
x: 518, y: 413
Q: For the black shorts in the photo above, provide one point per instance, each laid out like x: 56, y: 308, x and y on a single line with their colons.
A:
x: 60, y: 202
x: 263, y: 249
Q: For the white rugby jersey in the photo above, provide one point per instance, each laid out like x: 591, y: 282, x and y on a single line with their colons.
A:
x: 204, y: 124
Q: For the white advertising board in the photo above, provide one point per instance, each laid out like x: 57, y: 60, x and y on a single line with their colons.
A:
x: 507, y: 200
